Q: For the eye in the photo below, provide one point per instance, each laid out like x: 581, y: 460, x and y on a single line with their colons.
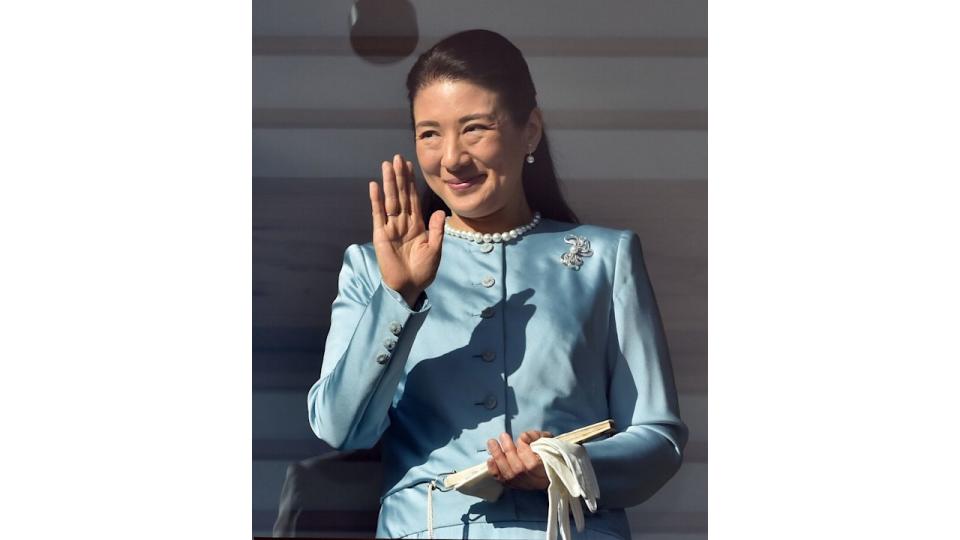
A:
x: 475, y: 127
x: 427, y: 134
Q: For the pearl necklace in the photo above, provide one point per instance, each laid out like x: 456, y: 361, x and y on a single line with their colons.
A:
x: 481, y: 238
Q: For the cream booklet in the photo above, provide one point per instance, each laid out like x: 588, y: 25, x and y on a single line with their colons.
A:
x: 478, y: 482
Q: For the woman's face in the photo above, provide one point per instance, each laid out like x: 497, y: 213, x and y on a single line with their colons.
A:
x: 470, y: 152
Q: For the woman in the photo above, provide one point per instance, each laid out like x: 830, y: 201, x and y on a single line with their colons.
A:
x: 529, y: 324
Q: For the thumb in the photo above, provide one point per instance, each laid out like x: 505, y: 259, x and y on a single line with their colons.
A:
x: 435, y: 233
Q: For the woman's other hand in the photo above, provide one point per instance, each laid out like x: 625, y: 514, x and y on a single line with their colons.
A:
x: 515, y: 465
x: 407, y: 253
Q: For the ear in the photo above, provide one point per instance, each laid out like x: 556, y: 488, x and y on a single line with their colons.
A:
x: 533, y: 130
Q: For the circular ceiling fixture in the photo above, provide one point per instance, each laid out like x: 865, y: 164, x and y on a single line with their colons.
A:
x: 383, y: 31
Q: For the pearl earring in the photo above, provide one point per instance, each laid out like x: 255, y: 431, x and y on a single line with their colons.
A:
x: 530, y: 158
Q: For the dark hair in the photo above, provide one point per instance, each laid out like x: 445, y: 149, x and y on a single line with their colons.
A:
x: 489, y: 60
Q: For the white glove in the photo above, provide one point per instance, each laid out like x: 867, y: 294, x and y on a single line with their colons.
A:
x: 571, y: 477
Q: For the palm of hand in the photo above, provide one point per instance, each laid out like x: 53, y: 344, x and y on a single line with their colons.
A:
x: 404, y: 252
x: 408, y: 254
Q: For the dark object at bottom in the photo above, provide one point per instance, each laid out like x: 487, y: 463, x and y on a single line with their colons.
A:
x: 331, y: 494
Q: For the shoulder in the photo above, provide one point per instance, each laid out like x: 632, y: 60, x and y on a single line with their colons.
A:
x: 602, y: 239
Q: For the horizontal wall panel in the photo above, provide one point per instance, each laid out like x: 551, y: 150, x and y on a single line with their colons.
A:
x: 537, y: 18
x: 643, y: 523
x: 284, y: 284
x: 683, y: 318
x: 282, y: 415
x: 291, y: 449
x: 674, y: 536
x: 676, y: 269
x: 349, y: 485
x: 296, y: 361
x: 400, y: 119
x: 362, y: 524
x: 285, y: 415
x: 327, y: 153
x: 659, y: 154
x: 300, y: 449
x: 356, y: 485
x: 685, y: 492
x: 395, y: 49
x: 268, y: 478
x: 309, y: 362
x: 307, y: 340
x: 689, y: 373
x: 287, y: 379
x: 310, y: 221
x: 311, y: 291
x: 685, y: 345
x: 333, y: 524
x: 278, y: 369
x: 297, y: 307
x: 598, y: 84
x: 693, y: 411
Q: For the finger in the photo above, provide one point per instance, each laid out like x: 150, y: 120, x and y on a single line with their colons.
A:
x: 414, y: 195
x: 531, y: 435
x: 492, y: 469
x: 510, y: 452
x: 376, y: 205
x: 390, y: 205
x: 531, y: 461
x: 403, y: 193
x: 506, y: 471
x: 435, y: 234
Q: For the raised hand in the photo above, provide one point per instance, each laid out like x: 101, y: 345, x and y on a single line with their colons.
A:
x: 515, y: 464
x: 408, y: 253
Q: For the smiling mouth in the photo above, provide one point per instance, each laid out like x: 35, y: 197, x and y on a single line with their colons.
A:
x: 460, y: 184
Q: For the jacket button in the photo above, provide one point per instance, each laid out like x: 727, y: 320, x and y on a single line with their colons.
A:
x: 389, y: 344
x: 490, y: 402
x: 382, y: 358
x: 486, y: 248
x: 487, y: 312
x: 396, y: 328
x: 488, y: 281
x: 488, y: 356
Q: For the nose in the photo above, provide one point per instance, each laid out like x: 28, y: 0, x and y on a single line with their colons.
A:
x: 454, y: 156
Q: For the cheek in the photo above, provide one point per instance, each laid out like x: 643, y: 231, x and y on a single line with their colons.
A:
x: 429, y: 164
x: 428, y: 159
x: 499, y: 152
x: 504, y: 163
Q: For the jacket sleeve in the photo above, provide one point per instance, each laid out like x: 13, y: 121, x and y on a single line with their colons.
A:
x: 648, y: 447
x: 371, y: 331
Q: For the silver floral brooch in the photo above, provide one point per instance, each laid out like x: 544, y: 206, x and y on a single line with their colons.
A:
x: 579, y: 248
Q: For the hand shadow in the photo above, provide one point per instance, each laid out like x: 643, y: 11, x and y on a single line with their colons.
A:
x: 447, y: 395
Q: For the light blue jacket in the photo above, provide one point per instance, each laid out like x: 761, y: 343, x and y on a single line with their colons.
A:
x: 509, y: 339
